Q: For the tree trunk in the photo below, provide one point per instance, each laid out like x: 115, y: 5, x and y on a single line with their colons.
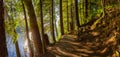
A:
x: 71, y: 23
x: 42, y: 28
x: 103, y: 7
x: 17, y: 49
x: 86, y: 8
x: 56, y: 28
x: 67, y: 17
x: 27, y: 33
x: 52, y: 23
x: 119, y: 5
x: 76, y: 13
x: 61, y: 19
x: 3, y: 46
x: 16, y: 43
x: 14, y: 35
x: 118, y: 11
x: 38, y: 50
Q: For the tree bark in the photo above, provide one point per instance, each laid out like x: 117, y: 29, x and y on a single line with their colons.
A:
x: 38, y: 49
x: 42, y: 28
x: 61, y: 19
x: 86, y: 8
x: 76, y: 13
x: 53, y: 34
x: 103, y: 7
x: 14, y: 35
x: 3, y: 46
x: 17, y: 49
x: 119, y: 5
x: 67, y: 17
x: 56, y: 28
x: 71, y: 23
x: 16, y: 43
x: 27, y: 33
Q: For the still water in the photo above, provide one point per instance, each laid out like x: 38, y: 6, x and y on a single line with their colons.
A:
x: 11, y: 46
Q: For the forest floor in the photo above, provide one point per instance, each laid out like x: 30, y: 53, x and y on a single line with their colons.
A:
x: 103, y: 41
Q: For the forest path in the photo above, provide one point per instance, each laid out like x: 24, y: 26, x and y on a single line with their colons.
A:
x: 69, y: 47
x: 101, y: 42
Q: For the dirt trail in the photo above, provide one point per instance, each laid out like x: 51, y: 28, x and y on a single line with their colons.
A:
x: 103, y: 41
x: 69, y: 47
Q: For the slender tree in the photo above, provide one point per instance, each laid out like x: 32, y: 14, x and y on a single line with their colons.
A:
x: 61, y: 19
x: 71, y: 23
x: 14, y: 34
x: 103, y: 15
x: 119, y: 5
x: 55, y: 19
x: 42, y: 28
x: 67, y: 17
x: 3, y: 46
x: 38, y: 49
x: 86, y: 8
x: 12, y: 29
x: 27, y: 32
x: 52, y: 28
x: 76, y: 13
x: 103, y: 6
x: 17, y: 48
x: 56, y: 28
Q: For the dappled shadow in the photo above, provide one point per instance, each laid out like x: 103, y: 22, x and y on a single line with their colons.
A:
x: 90, y: 46
x: 71, y: 48
x: 100, y: 42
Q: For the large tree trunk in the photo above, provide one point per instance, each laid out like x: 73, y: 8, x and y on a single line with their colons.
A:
x: 27, y: 33
x: 3, y: 47
x: 38, y: 50
x: 76, y: 13
x: 52, y: 23
x: 61, y: 19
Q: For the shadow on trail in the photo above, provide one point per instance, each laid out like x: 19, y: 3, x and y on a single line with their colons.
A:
x: 69, y: 47
x: 100, y: 42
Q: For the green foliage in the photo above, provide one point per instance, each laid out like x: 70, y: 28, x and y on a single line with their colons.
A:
x: 14, y: 11
x: 10, y: 29
x: 13, y: 18
x: 15, y: 37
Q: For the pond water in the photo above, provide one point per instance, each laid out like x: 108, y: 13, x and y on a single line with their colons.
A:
x: 11, y: 46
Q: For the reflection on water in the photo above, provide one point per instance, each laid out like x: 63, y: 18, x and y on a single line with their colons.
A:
x: 11, y: 46
x: 23, y: 44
